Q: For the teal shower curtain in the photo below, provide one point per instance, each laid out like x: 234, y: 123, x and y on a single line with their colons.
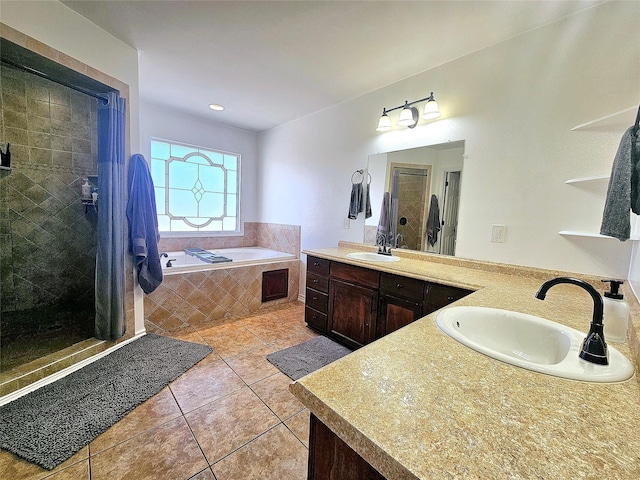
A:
x: 110, y: 311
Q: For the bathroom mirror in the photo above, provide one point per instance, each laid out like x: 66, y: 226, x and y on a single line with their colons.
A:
x: 424, y: 191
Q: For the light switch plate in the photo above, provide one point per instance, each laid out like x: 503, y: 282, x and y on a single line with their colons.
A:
x: 498, y: 233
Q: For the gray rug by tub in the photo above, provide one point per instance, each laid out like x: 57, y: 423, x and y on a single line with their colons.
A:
x: 295, y: 362
x: 49, y: 425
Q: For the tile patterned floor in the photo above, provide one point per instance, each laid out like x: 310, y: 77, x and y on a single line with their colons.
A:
x: 231, y: 417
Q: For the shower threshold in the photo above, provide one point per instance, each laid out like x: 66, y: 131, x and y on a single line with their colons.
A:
x: 28, y: 373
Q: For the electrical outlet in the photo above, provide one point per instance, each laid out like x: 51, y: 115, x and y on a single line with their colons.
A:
x: 347, y: 224
x: 497, y: 233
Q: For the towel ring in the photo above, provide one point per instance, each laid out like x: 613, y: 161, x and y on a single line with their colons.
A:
x: 361, y: 172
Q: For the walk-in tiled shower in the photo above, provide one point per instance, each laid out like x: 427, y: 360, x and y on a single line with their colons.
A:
x: 47, y: 239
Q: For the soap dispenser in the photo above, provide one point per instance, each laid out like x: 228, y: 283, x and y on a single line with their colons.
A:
x: 616, y: 313
x: 86, y: 190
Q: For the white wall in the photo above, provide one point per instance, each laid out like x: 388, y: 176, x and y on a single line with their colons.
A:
x: 514, y: 104
x: 159, y: 122
x: 59, y: 27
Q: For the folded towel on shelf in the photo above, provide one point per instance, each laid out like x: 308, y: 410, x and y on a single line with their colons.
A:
x: 433, y: 221
x: 623, y: 194
x: 206, y: 255
x: 195, y: 251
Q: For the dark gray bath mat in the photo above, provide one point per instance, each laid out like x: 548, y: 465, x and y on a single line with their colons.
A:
x: 49, y: 425
x: 295, y: 362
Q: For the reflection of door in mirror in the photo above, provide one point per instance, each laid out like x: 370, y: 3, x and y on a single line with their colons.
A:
x: 409, y: 212
x: 409, y: 205
x: 450, y: 213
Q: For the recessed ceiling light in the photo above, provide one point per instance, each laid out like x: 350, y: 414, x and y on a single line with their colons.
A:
x: 216, y: 107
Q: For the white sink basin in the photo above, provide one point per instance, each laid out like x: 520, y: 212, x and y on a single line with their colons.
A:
x: 530, y: 342
x: 372, y: 257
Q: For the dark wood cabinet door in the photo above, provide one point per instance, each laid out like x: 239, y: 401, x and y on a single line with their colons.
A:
x: 352, y: 313
x: 395, y: 313
x: 438, y: 296
x: 332, y: 459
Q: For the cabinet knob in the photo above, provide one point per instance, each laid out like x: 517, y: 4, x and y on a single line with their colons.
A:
x: 314, y: 298
x: 315, y: 264
x: 400, y: 285
x: 315, y: 280
x: 450, y: 298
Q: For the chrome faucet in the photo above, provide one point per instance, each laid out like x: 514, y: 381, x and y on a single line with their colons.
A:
x: 594, y: 346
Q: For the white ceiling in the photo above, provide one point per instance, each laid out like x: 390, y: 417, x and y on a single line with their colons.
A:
x: 270, y: 62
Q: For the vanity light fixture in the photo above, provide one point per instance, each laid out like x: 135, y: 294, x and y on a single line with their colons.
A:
x: 409, y: 114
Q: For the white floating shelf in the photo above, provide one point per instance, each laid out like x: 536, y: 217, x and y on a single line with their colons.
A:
x: 574, y: 233
x: 597, y: 178
x: 615, y: 122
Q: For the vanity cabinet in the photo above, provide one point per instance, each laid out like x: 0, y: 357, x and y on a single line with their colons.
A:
x: 332, y: 459
x: 401, y: 302
x: 317, y: 294
x: 353, y: 304
x: 438, y: 296
x: 356, y: 305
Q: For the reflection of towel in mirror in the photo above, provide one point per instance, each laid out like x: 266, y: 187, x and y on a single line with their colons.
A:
x: 383, y: 223
x: 355, y: 205
x: 143, y: 225
x: 623, y: 193
x: 367, y: 212
x: 433, y: 221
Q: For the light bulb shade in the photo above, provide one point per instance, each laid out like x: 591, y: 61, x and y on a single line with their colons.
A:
x: 431, y: 110
x: 384, y: 123
x: 408, y: 116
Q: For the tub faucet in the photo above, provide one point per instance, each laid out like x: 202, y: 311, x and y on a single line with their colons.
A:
x: 164, y: 254
x: 594, y: 346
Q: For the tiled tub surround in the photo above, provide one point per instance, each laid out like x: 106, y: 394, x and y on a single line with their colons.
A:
x: 213, y: 297
x: 218, y: 296
x: 284, y: 238
x: 418, y: 404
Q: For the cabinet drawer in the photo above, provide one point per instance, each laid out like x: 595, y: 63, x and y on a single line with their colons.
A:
x: 439, y: 296
x: 315, y: 319
x: 318, y: 282
x: 318, y: 265
x: 357, y: 275
x: 403, y: 287
x: 317, y: 300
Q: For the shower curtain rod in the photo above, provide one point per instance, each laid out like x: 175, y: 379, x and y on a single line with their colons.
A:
x: 60, y: 82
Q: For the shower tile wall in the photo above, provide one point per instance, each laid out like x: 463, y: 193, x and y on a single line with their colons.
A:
x: 47, y: 242
x: 412, y: 207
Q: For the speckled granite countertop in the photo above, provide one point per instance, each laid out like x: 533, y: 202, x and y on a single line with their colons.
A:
x: 418, y: 404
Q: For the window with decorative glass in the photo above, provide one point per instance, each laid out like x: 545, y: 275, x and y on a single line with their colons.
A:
x: 197, y: 189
